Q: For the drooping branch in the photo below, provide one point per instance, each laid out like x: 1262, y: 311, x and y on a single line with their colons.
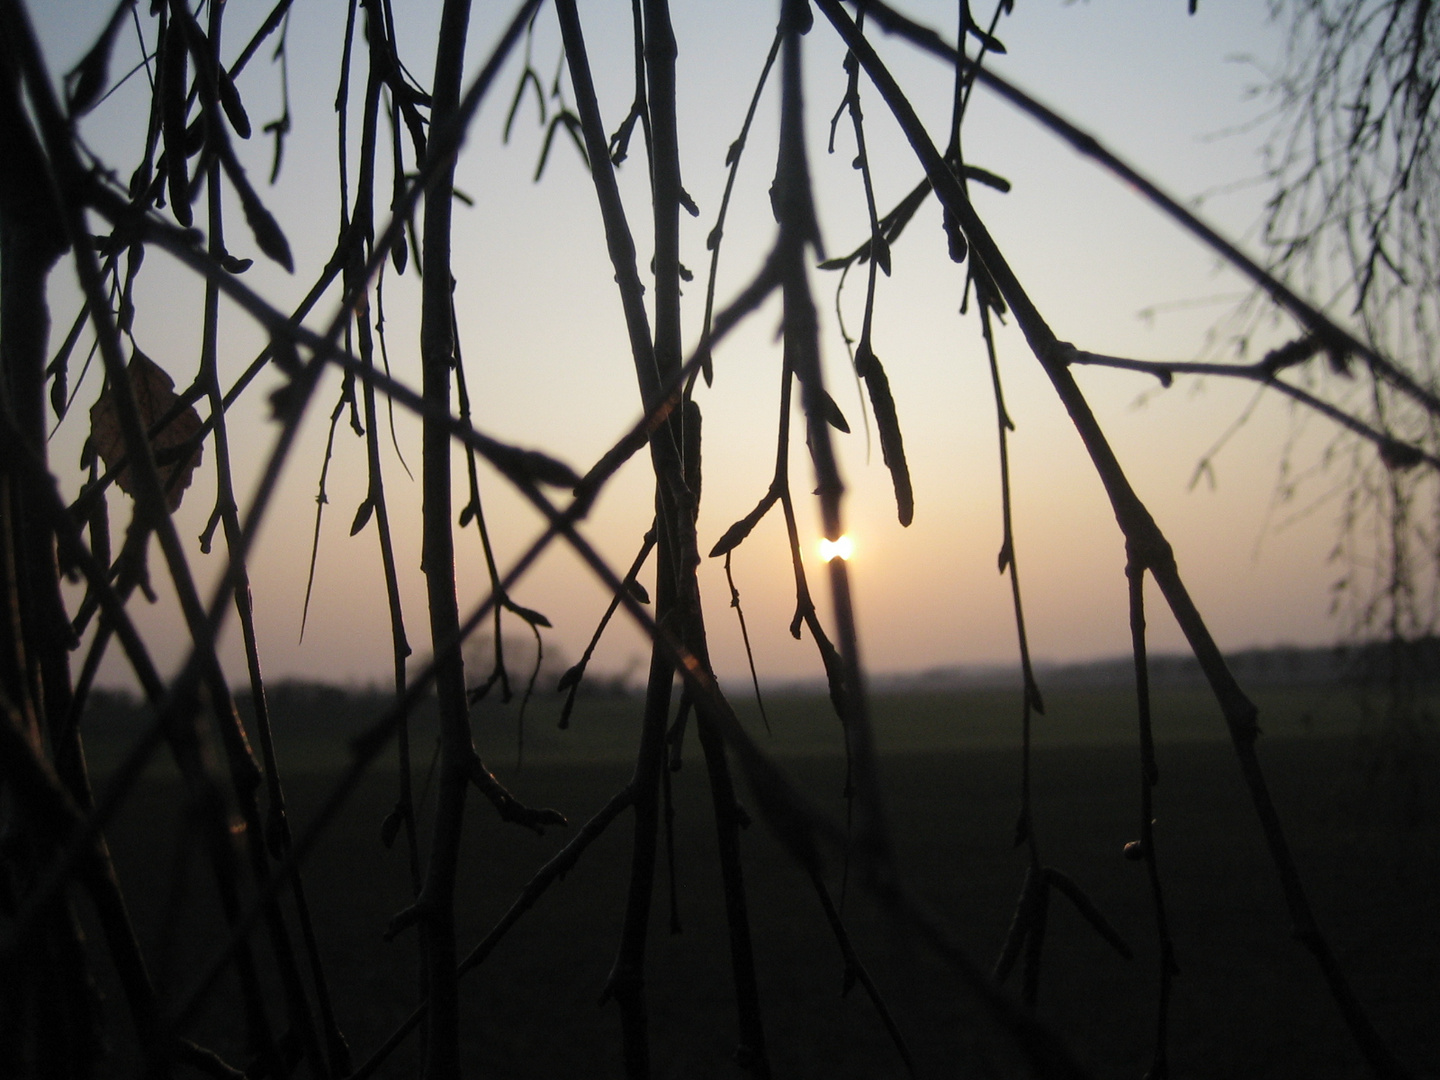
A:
x: 626, y: 981
x: 436, y: 903
x: 1146, y: 542
x: 1395, y: 452
x: 367, y: 746
x: 1338, y: 341
x: 554, y: 870
x: 1144, y: 848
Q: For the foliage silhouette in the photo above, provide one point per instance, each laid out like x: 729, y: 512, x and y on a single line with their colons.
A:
x: 150, y: 439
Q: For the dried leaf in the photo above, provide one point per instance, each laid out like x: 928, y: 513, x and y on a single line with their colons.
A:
x: 362, y: 516
x: 1400, y: 455
x: 986, y: 177
x: 571, y: 123
x: 279, y: 129
x: 230, y: 102
x: 882, y: 254
x: 571, y: 677
x: 176, y: 452
x: 59, y: 396
x: 534, y: 618
x: 834, y: 674
x: 207, y: 538
x: 195, y: 137
x: 533, y: 466
x: 990, y: 41
x: 85, y: 83
x: 833, y: 416
x: 736, y: 534
x: 1033, y: 689
x: 529, y: 78
x: 134, y: 259
x: 399, y: 251
x: 268, y: 235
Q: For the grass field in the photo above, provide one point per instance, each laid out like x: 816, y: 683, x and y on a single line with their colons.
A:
x: 1249, y: 1001
x: 313, y: 726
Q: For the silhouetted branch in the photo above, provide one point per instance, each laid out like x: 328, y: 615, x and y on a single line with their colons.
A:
x: 1395, y: 452
x: 1337, y: 340
x: 571, y: 679
x: 554, y: 870
x: 855, y: 971
x: 1149, y: 776
x: 1148, y: 546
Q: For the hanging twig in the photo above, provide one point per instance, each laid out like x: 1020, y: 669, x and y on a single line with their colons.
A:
x: 1148, y: 544
x: 745, y: 638
x: 1395, y: 452
x: 570, y: 680
x: 554, y: 870
x: 732, y: 161
x: 1144, y: 849
x: 1338, y: 342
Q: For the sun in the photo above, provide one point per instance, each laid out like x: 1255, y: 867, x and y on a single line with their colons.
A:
x: 843, y: 548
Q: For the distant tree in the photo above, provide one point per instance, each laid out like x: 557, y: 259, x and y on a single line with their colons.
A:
x: 1354, y: 218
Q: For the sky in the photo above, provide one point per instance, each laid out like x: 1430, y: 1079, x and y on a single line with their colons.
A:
x: 549, y: 366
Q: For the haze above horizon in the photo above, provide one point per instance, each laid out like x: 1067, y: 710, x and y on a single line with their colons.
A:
x: 549, y: 367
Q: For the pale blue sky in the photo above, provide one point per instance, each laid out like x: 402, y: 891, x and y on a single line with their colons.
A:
x: 549, y: 366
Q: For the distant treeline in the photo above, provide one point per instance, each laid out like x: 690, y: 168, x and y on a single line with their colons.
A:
x: 314, y: 704
x: 1284, y: 665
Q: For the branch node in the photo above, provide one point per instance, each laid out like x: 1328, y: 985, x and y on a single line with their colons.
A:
x: 509, y: 807
x: 405, y: 918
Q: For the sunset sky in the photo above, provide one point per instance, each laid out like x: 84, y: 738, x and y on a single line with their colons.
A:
x: 549, y: 367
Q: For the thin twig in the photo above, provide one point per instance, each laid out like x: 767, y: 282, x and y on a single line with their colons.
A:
x: 1147, y: 542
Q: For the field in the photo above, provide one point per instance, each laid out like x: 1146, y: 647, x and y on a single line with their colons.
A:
x: 1248, y: 1003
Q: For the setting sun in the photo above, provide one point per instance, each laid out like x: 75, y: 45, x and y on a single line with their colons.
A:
x: 833, y: 549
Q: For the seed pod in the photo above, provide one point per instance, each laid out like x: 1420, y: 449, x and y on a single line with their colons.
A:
x: 172, y: 93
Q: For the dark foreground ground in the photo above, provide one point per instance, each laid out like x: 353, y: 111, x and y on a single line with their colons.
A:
x: 1249, y: 1001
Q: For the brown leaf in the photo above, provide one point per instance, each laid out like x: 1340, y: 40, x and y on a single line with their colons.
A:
x: 155, y: 395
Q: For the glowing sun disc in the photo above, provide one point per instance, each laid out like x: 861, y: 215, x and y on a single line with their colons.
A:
x: 837, y: 549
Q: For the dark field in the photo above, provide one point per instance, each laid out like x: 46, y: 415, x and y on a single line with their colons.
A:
x: 1249, y: 1001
